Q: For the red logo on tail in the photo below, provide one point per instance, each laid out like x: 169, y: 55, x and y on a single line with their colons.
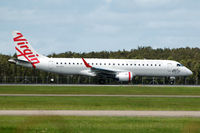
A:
x: 27, y: 53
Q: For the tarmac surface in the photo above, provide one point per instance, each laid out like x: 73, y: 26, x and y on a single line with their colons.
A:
x: 96, y: 95
x: 99, y: 85
x: 100, y: 113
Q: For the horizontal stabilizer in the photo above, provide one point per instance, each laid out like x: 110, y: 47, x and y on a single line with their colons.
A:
x: 17, y: 61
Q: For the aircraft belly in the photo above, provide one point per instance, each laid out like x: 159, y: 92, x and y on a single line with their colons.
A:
x: 70, y: 70
x: 150, y: 72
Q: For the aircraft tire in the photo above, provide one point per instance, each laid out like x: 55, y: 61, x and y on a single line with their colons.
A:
x: 102, y: 81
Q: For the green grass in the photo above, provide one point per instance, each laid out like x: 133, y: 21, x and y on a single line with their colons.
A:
x: 99, y: 103
x: 58, y: 124
x: 134, y: 90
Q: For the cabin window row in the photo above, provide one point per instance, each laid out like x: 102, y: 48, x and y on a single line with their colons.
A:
x: 70, y: 63
x: 114, y: 64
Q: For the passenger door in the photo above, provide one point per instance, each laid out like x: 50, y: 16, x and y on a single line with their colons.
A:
x: 51, y: 64
x: 169, y: 68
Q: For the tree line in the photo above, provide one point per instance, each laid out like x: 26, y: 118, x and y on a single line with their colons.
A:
x: 189, y: 57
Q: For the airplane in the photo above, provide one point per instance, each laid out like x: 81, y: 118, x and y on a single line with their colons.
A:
x: 118, y: 69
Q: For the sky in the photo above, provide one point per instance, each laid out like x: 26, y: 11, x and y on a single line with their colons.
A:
x: 56, y: 26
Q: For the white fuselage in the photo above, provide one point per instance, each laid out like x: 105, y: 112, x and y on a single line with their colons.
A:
x: 136, y: 66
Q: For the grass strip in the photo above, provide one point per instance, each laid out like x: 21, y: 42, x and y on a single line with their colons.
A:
x: 59, y: 124
x: 131, y: 90
x: 98, y: 103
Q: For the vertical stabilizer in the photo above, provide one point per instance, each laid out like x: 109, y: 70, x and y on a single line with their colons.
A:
x: 24, y: 50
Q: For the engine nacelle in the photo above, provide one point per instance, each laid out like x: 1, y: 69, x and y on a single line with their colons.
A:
x: 124, y: 76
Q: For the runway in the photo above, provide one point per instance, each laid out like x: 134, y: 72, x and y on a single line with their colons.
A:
x: 143, y: 85
x: 96, y: 95
x: 100, y: 113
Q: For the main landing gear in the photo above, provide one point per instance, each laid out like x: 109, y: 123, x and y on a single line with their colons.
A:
x: 101, y: 81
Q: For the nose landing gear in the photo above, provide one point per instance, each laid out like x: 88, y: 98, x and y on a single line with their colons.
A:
x: 172, y: 80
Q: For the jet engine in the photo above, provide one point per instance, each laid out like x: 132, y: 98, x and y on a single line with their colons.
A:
x: 124, y: 76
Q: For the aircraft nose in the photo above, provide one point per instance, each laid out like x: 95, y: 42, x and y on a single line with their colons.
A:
x: 189, y: 72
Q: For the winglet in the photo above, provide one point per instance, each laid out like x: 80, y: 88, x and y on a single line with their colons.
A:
x: 86, y: 64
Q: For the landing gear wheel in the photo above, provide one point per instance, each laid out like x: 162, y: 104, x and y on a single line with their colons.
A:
x: 102, y: 81
x: 172, y: 82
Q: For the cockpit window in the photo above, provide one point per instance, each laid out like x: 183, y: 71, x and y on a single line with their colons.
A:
x: 179, y: 65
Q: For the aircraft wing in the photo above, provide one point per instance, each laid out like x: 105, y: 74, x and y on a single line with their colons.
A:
x: 101, y: 72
